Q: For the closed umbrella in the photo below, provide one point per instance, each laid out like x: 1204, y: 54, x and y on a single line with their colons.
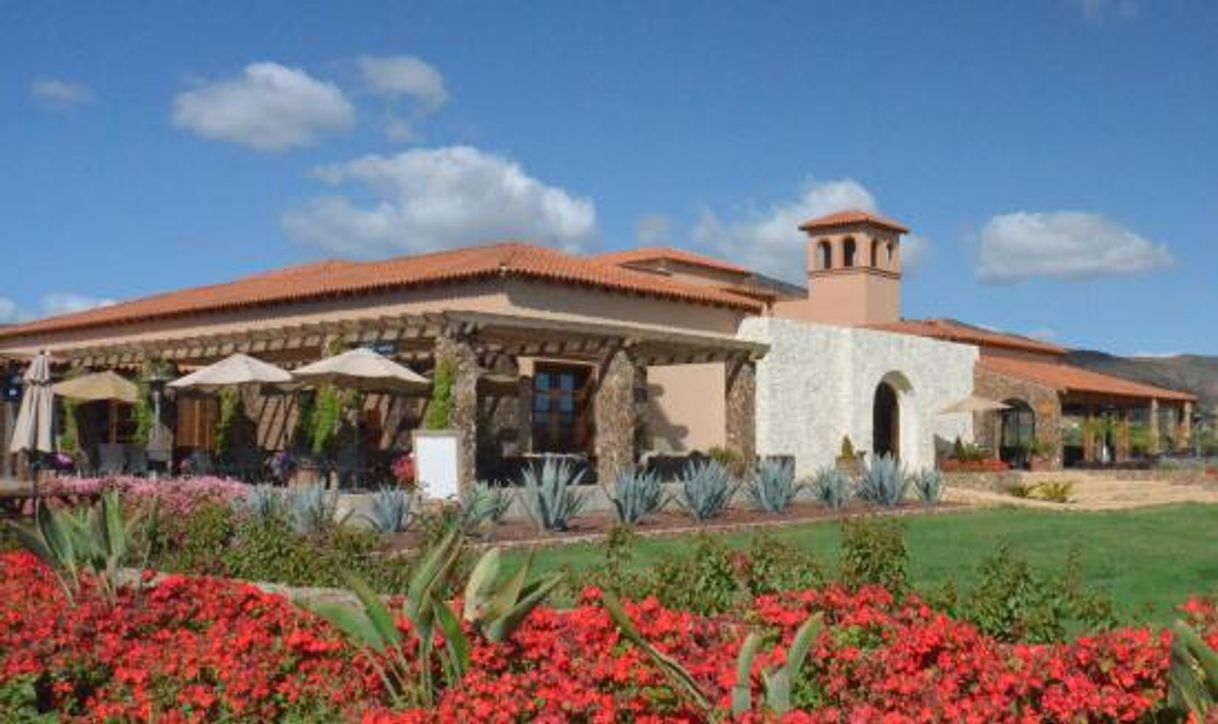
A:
x: 234, y: 371
x: 364, y: 370
x: 973, y: 403
x: 98, y: 386
x: 33, y: 431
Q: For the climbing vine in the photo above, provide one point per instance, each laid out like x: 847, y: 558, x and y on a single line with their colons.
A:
x: 230, y: 406
x: 440, y: 408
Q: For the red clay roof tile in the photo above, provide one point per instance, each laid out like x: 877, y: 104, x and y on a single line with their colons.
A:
x: 851, y: 218
x: 1067, y: 378
x: 952, y: 331
x: 665, y: 253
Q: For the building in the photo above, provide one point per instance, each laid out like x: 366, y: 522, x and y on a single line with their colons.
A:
x: 650, y: 352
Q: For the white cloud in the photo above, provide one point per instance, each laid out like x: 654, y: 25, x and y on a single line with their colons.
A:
x: 57, y: 303
x: 8, y: 311
x: 654, y: 230
x: 400, y: 131
x: 440, y: 198
x: 914, y: 250
x: 768, y: 239
x: 60, y: 94
x: 269, y: 107
x: 1063, y: 245
x: 405, y: 75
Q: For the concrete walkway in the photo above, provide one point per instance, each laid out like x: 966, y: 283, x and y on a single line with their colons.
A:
x: 1096, y: 492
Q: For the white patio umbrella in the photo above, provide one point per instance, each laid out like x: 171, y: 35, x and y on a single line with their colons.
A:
x: 34, y: 431
x: 364, y: 370
x: 234, y: 371
x: 973, y: 403
x: 97, y: 386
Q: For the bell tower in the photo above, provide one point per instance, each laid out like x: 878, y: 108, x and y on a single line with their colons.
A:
x: 854, y: 270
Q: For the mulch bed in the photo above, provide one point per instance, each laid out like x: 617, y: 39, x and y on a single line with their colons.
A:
x: 594, y: 527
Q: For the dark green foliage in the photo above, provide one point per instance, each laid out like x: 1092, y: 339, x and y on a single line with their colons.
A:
x: 1193, y: 677
x: 635, y: 494
x: 195, y: 543
x: 439, y: 410
x: 773, y: 487
x: 873, y: 553
x: 326, y: 418
x: 1013, y: 602
x: 706, y: 489
x: 832, y: 488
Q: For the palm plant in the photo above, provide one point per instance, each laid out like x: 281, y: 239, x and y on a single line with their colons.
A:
x: 773, y: 487
x: 883, y: 482
x: 635, y: 494
x: 497, y: 604
x: 390, y: 512
x: 550, y: 496
x: 706, y: 489
x: 831, y: 487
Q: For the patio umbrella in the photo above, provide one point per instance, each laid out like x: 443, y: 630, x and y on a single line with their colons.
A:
x: 98, y: 386
x: 364, y: 370
x: 973, y: 403
x: 237, y: 370
x: 33, y: 431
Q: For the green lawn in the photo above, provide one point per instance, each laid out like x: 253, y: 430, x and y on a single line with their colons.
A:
x: 1148, y: 560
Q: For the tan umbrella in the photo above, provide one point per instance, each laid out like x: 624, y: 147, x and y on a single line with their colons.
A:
x: 234, y: 371
x: 364, y: 370
x: 98, y: 386
x: 973, y: 403
x: 34, y: 430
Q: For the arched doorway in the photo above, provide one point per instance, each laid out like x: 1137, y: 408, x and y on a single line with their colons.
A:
x: 1017, y: 432
x: 886, y: 421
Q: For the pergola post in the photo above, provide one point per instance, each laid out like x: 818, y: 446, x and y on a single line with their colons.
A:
x: 616, y: 414
x: 1154, y: 426
x: 740, y: 389
x: 1122, y: 438
x: 1185, y: 438
x: 463, y: 417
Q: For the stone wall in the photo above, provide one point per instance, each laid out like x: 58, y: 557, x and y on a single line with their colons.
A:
x: 818, y: 382
x: 1043, y: 400
x: 464, y: 414
x: 741, y: 413
x: 616, y: 414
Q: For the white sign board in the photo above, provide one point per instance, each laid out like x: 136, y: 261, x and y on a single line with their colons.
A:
x: 437, y: 462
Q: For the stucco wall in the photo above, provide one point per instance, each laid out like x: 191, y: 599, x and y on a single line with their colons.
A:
x: 817, y: 383
x: 686, y: 408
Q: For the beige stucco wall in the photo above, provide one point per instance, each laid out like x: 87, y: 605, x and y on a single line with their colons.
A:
x: 848, y: 297
x: 687, y: 408
x: 502, y: 296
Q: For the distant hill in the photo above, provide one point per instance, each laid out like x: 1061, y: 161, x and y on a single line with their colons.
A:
x: 1197, y: 374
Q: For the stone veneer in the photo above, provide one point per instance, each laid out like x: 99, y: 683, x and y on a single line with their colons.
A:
x: 1043, y: 400
x: 741, y: 413
x: 616, y: 415
x: 464, y: 414
x: 818, y: 382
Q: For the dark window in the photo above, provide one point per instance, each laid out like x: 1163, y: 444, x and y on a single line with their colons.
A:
x: 826, y: 255
x: 560, y: 405
x: 849, y: 250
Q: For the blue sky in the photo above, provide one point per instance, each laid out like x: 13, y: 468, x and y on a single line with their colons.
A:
x: 1057, y: 160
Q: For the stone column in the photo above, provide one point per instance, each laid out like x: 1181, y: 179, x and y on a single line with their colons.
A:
x: 1185, y: 438
x: 1089, y: 439
x: 615, y: 415
x: 741, y: 408
x: 464, y: 414
x: 1122, y: 438
x: 1154, y: 426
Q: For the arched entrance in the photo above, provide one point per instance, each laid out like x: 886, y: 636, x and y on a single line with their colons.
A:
x: 1017, y: 432
x: 886, y: 421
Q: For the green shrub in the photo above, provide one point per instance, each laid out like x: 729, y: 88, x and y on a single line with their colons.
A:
x: 1012, y: 602
x: 873, y: 553
x: 195, y: 543
x: 1056, y: 491
x: 438, y: 415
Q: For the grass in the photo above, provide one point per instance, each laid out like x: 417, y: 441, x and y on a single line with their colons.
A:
x: 1149, y: 560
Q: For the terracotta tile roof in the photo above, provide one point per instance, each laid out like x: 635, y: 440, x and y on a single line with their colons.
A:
x: 1067, y: 378
x: 953, y: 331
x: 343, y: 278
x: 667, y: 253
x: 850, y: 218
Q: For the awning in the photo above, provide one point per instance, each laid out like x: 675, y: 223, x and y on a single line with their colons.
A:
x: 973, y: 403
x: 362, y: 369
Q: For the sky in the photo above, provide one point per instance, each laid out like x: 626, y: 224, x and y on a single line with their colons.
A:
x: 1056, y: 160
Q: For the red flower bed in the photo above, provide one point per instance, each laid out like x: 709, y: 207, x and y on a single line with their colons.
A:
x: 974, y: 466
x: 201, y: 649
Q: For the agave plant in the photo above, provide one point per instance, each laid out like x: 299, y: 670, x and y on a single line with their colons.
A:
x: 495, y: 604
x: 312, y: 509
x: 635, y: 495
x: 262, y: 503
x: 1193, y: 676
x: 706, y: 489
x: 928, y: 484
x: 96, y: 540
x: 777, y: 682
x: 484, y: 503
x: 390, y: 512
x: 883, y: 482
x: 831, y: 487
x: 773, y: 487
x: 550, y: 496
